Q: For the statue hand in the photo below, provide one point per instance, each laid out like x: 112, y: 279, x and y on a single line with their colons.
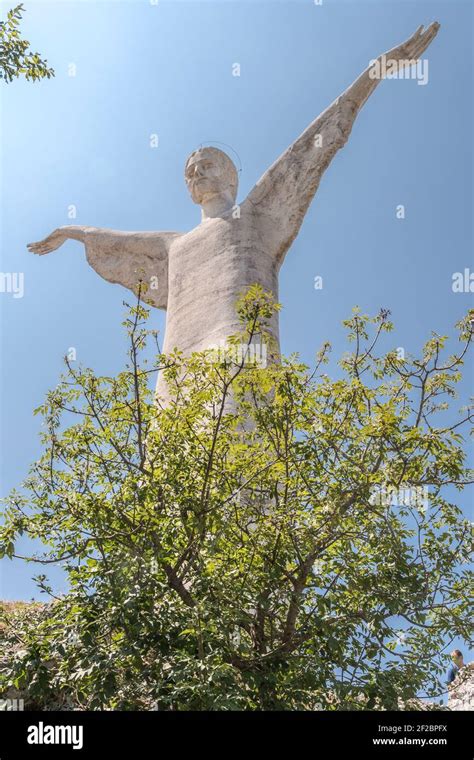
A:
x: 415, y: 46
x: 50, y: 243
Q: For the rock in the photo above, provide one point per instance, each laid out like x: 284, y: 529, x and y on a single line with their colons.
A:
x: 461, y: 692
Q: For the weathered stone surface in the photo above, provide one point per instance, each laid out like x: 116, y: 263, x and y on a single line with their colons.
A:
x: 461, y: 692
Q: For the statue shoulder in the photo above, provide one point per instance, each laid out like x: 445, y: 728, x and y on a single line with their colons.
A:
x: 152, y: 244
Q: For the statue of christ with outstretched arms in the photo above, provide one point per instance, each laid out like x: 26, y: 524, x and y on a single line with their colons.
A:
x: 197, y: 276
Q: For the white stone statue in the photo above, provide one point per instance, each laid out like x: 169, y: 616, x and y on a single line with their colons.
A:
x: 197, y: 276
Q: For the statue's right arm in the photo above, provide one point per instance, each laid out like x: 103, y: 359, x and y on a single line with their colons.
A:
x: 126, y: 258
x: 286, y: 189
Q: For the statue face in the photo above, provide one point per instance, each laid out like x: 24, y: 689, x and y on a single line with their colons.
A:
x: 210, y: 172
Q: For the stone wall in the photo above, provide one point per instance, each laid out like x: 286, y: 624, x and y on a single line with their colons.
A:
x: 461, y: 692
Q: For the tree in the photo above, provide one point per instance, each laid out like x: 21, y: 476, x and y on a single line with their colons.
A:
x: 15, y: 57
x: 246, y: 547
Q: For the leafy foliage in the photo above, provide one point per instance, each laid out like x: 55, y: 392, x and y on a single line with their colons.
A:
x: 15, y: 57
x: 231, y: 549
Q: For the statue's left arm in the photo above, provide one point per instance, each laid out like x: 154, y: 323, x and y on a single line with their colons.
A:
x: 286, y: 189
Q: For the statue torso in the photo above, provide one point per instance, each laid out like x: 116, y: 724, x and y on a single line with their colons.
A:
x: 209, y: 267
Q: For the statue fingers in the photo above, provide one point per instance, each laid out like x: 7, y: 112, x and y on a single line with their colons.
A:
x: 426, y: 38
x: 418, y: 43
x: 415, y: 51
x: 429, y: 34
x: 39, y: 248
x: 417, y: 34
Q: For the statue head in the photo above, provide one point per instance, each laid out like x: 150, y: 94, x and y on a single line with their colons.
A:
x: 210, y: 174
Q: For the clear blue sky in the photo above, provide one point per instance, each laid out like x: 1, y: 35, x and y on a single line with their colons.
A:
x: 167, y: 69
